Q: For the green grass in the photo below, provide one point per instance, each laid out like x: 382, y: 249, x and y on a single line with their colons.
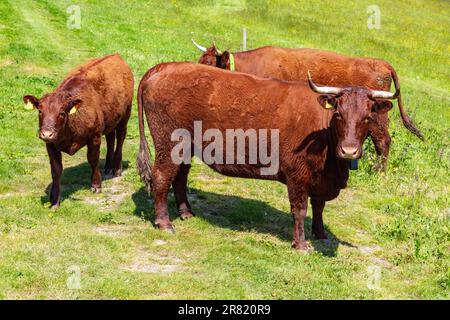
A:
x: 238, y: 246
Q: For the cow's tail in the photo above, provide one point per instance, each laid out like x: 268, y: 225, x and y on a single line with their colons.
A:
x: 405, y: 118
x: 143, y: 162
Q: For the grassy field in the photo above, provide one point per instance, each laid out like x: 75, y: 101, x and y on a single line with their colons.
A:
x: 238, y: 246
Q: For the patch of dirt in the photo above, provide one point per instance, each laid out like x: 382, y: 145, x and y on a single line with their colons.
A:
x: 114, y: 192
x: 369, y: 250
x: 7, y: 195
x: 158, y: 242
x: 152, y: 268
x: 361, y: 233
x: 113, y: 230
x: 5, y: 63
x: 380, y: 262
x: 14, y: 194
x: 154, y: 263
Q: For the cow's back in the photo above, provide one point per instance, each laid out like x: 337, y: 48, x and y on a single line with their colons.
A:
x: 105, y: 86
x: 175, y: 95
x: 326, y: 67
x: 185, y: 91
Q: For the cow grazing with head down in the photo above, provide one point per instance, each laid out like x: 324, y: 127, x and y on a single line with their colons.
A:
x: 94, y: 99
x: 329, y: 68
x: 320, y: 130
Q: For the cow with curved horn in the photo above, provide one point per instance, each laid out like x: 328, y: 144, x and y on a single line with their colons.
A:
x: 201, y: 48
x: 329, y: 68
x: 319, y: 128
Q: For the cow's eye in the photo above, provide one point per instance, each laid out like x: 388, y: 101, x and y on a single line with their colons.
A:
x: 366, y: 120
x: 62, y: 114
x: 338, y: 116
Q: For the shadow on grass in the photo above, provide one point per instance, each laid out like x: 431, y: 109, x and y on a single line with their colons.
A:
x: 240, y: 214
x: 77, y: 178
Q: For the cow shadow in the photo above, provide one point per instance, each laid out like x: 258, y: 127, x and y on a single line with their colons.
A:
x: 239, y: 214
x: 77, y: 178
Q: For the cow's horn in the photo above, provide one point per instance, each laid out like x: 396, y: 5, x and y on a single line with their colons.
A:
x: 374, y: 94
x: 219, y: 53
x: 198, y: 46
x: 327, y: 90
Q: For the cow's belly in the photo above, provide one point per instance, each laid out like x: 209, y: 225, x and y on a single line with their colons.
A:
x: 242, y: 171
x: 112, y: 120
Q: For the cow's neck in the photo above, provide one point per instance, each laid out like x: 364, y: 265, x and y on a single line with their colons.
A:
x: 68, y: 143
x: 242, y: 61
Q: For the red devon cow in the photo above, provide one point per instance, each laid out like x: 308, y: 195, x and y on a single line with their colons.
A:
x: 328, y: 68
x: 94, y: 99
x: 317, y: 130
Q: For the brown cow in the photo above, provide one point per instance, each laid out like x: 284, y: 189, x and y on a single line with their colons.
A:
x: 318, y: 133
x: 329, y: 68
x: 94, y: 99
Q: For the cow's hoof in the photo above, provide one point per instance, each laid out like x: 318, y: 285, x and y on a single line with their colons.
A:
x: 109, y: 173
x: 96, y: 189
x: 302, y: 246
x: 164, y: 226
x: 54, y: 206
x: 184, y: 215
x: 117, y: 173
x: 170, y: 230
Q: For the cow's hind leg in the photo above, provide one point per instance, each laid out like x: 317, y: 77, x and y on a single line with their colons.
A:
x: 317, y: 223
x: 121, y: 133
x: 180, y: 190
x: 163, y: 174
x: 109, y: 164
x: 93, y: 156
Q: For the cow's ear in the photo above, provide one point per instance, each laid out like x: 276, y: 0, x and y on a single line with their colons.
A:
x: 223, y: 60
x: 73, y: 106
x: 327, y: 101
x: 382, y: 106
x: 31, y: 102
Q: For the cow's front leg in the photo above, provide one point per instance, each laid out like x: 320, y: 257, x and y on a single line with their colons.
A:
x: 299, y: 203
x: 317, y: 224
x: 378, y: 131
x: 93, y: 156
x: 56, y: 170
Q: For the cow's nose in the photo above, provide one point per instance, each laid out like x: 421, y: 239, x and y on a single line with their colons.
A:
x: 47, y: 135
x: 349, y: 152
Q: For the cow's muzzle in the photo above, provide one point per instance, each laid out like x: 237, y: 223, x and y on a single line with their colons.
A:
x: 349, y: 153
x: 48, y: 135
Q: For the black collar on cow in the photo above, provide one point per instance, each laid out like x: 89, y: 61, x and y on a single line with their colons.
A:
x: 353, y: 164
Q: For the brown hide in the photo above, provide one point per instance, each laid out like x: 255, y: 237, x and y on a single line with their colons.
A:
x: 327, y: 68
x: 174, y: 95
x: 93, y: 100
